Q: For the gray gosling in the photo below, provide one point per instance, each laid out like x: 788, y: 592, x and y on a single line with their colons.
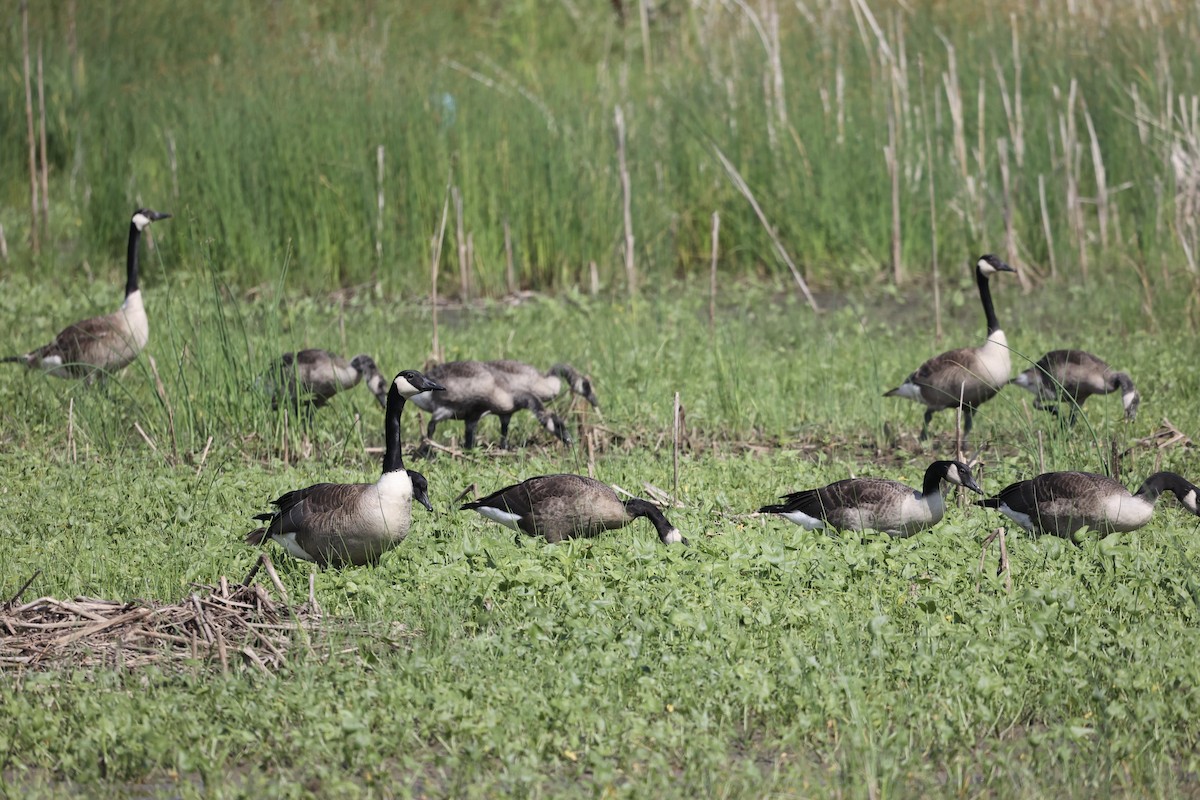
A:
x: 1072, y: 376
x: 857, y: 504
x: 974, y: 374
x: 335, y: 524
x: 561, y: 507
x: 101, y: 345
x: 314, y: 376
x: 1064, y: 503
x: 477, y: 388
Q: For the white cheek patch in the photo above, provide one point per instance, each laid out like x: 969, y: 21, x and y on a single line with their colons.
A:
x: 1026, y: 380
x: 952, y: 475
x: 1024, y: 520
x: 288, y: 540
x: 505, y: 518
x: 673, y: 537
x: 985, y: 267
x: 1128, y: 399
x: 406, y: 388
x: 804, y: 520
x: 141, y: 221
x: 1189, y: 501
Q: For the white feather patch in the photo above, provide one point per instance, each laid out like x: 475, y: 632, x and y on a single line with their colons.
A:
x: 804, y: 520
x: 1189, y: 501
x: 673, y: 537
x: 141, y: 221
x: 505, y: 518
x: 1024, y: 520
x: 288, y: 540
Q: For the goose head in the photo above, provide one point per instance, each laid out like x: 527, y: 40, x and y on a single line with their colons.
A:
x: 580, y: 384
x: 411, y: 383
x: 959, y: 474
x: 144, y: 216
x: 420, y: 489
x: 364, y: 365
x: 989, y: 265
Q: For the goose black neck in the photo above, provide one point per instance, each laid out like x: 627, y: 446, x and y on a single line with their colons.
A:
x: 933, y: 478
x: 637, y: 507
x: 1161, y: 482
x: 131, y: 260
x: 985, y: 297
x: 393, y: 456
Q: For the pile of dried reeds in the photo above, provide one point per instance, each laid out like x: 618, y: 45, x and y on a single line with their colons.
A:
x: 237, y: 626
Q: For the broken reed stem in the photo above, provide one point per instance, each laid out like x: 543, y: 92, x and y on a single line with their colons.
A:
x: 712, y: 274
x: 34, y: 237
x: 41, y: 82
x: 433, y: 275
x: 1041, y: 452
x: 174, y: 160
x: 626, y: 200
x: 510, y: 274
x: 12, y: 601
x: 933, y: 231
x: 593, y: 278
x: 958, y: 423
x: 3, y: 245
x: 740, y: 184
x: 204, y: 456
x: 146, y: 437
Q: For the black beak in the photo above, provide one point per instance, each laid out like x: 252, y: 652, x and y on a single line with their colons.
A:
x: 155, y: 216
x: 427, y: 384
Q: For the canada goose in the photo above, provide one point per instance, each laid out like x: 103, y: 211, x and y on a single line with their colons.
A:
x: 333, y: 524
x: 319, y: 375
x: 1062, y: 503
x: 856, y: 504
x: 475, y: 388
x: 567, y: 506
x: 975, y: 374
x: 101, y: 344
x: 545, y: 386
x: 1073, y: 376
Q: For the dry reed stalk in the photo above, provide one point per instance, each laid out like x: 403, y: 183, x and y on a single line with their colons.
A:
x: 34, y: 236
x: 41, y: 82
x: 145, y: 436
x: 644, y: 22
x: 626, y: 203
x: 379, y: 201
x: 712, y: 273
x: 675, y: 420
x: 1100, y: 176
x: 1010, y: 235
x: 162, y: 395
x: 1046, y: 225
x: 204, y: 456
x: 740, y: 184
x: 893, y: 168
x: 71, y: 430
x: 955, y: 104
x: 980, y: 156
x: 464, y: 280
x: 933, y: 231
x: 510, y: 274
x: 3, y: 244
x: 174, y: 162
x: 593, y: 278
x: 433, y: 276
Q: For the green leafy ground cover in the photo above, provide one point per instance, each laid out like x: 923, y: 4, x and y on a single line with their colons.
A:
x: 762, y: 660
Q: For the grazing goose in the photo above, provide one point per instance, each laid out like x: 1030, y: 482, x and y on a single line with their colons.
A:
x: 1073, y: 376
x: 517, y: 375
x: 1062, y: 503
x: 103, y: 344
x: 475, y: 388
x: 856, y: 504
x: 333, y: 524
x: 975, y: 374
x: 567, y: 506
x: 315, y: 376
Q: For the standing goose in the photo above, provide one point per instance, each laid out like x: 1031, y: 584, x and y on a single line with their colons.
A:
x: 1063, y: 503
x: 517, y: 375
x: 315, y: 376
x: 975, y: 374
x: 856, y: 504
x: 101, y: 344
x: 568, y: 506
x: 473, y: 389
x: 333, y: 524
x: 1073, y: 376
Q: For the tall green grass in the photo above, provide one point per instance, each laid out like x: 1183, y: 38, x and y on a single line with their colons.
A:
x: 264, y: 124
